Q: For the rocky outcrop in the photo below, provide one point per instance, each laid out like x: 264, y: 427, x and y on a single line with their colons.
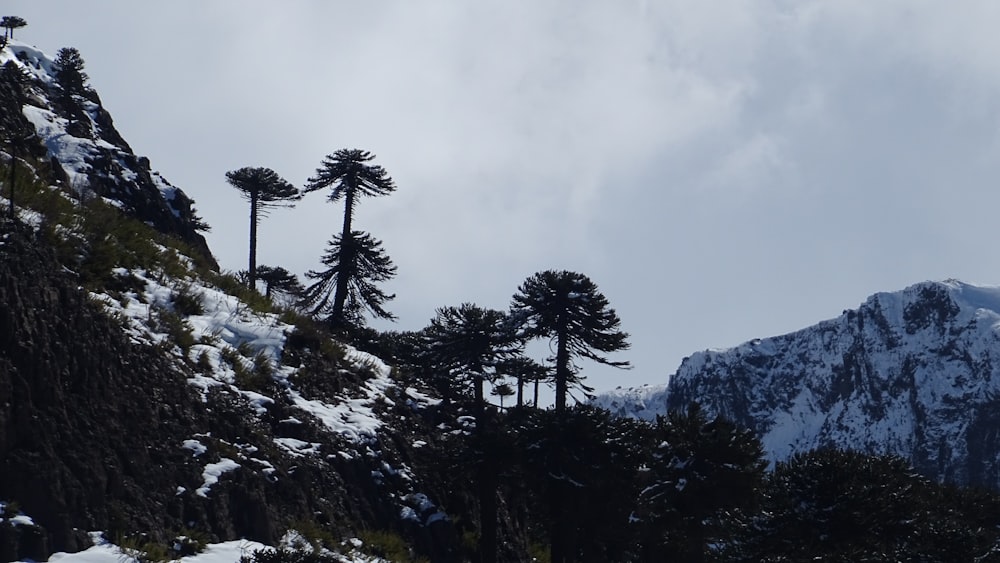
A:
x: 93, y: 429
x: 914, y: 373
x: 75, y: 141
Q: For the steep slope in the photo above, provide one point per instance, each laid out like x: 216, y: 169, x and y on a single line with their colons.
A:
x: 147, y: 396
x: 914, y: 373
x: 70, y: 129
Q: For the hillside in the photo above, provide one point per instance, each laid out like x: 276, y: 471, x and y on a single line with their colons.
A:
x: 140, y: 393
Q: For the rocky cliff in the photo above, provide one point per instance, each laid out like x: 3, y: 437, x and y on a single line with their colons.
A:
x: 914, y: 373
x: 73, y: 143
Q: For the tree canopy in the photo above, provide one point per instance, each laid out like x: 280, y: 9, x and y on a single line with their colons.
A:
x: 10, y: 23
x: 358, y: 262
x: 567, y: 308
x: 69, y: 70
x: 349, y: 176
x: 264, y: 189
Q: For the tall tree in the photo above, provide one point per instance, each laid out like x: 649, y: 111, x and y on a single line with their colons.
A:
x: 359, y: 262
x: 567, y: 308
x: 469, y: 341
x: 349, y: 176
x: 265, y: 190
x: 13, y: 84
x: 10, y: 23
x: 524, y: 370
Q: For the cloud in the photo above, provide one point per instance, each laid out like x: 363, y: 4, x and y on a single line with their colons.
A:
x: 723, y: 171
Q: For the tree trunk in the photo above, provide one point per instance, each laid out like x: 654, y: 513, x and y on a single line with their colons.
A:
x: 487, y: 486
x: 562, y: 365
x: 254, y: 197
x: 520, y: 390
x: 346, y: 259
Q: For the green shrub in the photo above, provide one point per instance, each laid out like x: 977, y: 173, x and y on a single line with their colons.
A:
x: 179, y: 331
x: 387, y: 545
x: 139, y: 549
x: 287, y: 556
x: 186, y: 302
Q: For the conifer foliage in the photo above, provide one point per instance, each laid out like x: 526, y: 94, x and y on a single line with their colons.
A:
x: 264, y: 189
x: 567, y: 308
x: 10, y: 23
x: 700, y: 487
x: 355, y: 260
x: 355, y: 266
x: 69, y: 71
x: 469, y: 342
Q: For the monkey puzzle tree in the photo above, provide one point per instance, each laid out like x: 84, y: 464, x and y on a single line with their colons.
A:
x: 359, y: 261
x: 10, y: 23
x: 278, y: 280
x: 69, y: 71
x: 524, y: 370
x: 14, y: 82
x: 469, y: 341
x: 567, y: 308
x: 350, y: 178
x: 265, y: 190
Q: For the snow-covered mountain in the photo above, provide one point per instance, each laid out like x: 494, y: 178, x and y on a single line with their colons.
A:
x: 87, y: 155
x: 914, y: 373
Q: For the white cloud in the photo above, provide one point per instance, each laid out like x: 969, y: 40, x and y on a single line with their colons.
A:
x: 723, y: 171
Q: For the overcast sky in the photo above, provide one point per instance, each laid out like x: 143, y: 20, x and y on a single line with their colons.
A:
x: 722, y: 170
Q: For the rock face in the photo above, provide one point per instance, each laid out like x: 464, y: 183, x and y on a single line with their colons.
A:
x: 75, y: 136
x: 98, y: 432
x: 914, y: 373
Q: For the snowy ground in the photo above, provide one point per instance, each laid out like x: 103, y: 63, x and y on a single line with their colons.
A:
x: 227, y: 552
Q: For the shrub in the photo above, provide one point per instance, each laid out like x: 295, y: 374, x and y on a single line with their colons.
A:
x: 186, y: 301
x: 282, y: 555
x: 388, y: 545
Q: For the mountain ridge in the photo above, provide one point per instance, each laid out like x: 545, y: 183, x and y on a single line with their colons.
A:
x: 915, y: 373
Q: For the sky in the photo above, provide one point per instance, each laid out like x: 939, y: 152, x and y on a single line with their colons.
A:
x: 722, y: 171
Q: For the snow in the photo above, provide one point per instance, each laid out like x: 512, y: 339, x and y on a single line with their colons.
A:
x: 906, y: 373
x: 227, y: 552
x: 212, y: 473
x: 196, y: 447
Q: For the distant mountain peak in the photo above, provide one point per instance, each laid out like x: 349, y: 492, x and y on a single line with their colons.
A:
x: 914, y: 372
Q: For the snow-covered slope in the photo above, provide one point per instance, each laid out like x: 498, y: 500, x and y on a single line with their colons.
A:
x: 914, y: 373
x: 88, y: 155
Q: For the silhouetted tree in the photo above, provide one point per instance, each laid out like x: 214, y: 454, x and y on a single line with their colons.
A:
x: 13, y: 84
x: 349, y: 176
x: 10, y: 23
x: 69, y: 71
x: 503, y: 391
x: 358, y: 262
x: 279, y: 280
x: 567, y: 308
x: 701, y: 486
x: 524, y: 370
x: 468, y: 341
x: 265, y: 190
